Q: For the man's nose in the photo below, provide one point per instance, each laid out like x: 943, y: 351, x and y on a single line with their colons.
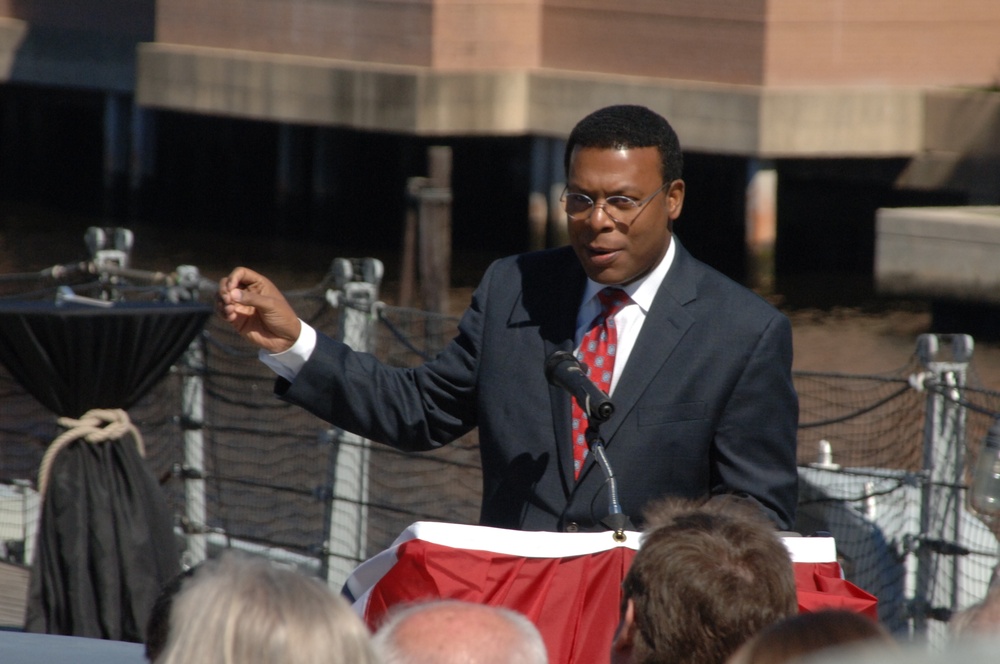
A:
x: 599, y: 216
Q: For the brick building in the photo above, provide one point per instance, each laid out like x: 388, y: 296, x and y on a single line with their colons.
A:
x: 828, y: 109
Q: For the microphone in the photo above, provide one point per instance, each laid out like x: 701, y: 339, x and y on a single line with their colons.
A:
x: 562, y: 369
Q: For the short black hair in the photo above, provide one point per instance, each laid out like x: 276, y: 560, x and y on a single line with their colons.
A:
x: 628, y: 126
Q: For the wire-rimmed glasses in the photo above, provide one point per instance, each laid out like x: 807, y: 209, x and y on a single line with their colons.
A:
x: 620, y: 209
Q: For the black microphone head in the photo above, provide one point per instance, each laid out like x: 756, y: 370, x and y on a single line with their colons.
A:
x: 604, y: 411
x: 557, y: 358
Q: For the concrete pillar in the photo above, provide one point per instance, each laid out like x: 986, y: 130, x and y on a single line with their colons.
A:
x: 761, y: 224
x: 117, y: 121
x: 291, y: 181
x: 289, y: 177
x: 142, y: 155
x: 322, y: 182
x: 117, y: 137
x: 434, y: 231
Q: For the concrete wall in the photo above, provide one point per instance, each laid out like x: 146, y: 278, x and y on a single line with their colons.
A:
x: 939, y: 253
x: 735, y: 42
x: 709, y: 117
x: 731, y: 42
x: 961, y: 145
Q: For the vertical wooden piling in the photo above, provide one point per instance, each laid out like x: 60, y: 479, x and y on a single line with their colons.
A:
x: 434, y: 231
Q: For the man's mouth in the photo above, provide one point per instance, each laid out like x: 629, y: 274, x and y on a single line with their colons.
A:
x: 601, y: 255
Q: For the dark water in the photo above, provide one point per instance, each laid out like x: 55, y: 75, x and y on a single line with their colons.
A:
x: 34, y: 238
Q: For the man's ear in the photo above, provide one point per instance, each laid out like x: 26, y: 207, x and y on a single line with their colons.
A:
x: 675, y: 199
x: 625, y: 636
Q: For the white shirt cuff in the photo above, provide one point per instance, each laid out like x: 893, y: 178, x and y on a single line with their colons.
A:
x: 288, y: 363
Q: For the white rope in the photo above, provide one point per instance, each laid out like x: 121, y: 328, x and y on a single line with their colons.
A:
x: 96, y: 426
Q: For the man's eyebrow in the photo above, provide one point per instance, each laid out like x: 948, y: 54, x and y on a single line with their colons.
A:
x: 620, y: 191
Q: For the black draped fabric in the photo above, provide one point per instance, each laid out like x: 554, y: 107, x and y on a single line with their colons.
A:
x: 105, y: 542
x: 74, y: 357
x: 105, y: 546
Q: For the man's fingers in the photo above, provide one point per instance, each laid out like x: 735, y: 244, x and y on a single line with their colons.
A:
x: 245, y: 301
x: 241, y: 277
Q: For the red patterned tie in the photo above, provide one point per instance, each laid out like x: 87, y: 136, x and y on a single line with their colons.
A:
x: 597, y: 352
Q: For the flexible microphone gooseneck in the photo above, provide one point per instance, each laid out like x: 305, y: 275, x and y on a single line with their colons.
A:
x: 562, y: 369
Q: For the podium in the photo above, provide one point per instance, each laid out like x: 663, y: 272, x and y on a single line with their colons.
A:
x: 568, y: 584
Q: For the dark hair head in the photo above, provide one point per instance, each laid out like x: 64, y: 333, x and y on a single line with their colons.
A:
x: 625, y: 127
x: 706, y: 579
x: 158, y: 624
x: 808, y: 633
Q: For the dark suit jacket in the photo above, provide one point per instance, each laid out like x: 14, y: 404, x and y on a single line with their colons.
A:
x: 705, y: 405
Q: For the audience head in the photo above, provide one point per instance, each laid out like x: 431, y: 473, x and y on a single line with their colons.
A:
x: 158, y: 624
x: 980, y: 650
x: 455, y: 632
x: 239, y: 609
x: 707, y: 577
x: 809, y: 633
x: 981, y: 619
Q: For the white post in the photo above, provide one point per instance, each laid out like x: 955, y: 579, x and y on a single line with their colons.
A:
x: 193, y: 418
x: 938, y: 546
x: 347, y: 529
x: 761, y: 224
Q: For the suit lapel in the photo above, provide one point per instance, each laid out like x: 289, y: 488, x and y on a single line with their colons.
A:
x: 550, y: 299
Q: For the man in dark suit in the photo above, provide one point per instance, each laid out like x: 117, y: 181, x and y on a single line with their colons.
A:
x: 703, y: 398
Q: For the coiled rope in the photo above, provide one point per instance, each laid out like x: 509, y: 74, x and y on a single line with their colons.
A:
x: 96, y: 426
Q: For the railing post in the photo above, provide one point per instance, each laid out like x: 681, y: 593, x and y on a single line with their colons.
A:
x: 346, y: 532
x: 434, y: 231
x: 935, y: 593
x: 193, y: 472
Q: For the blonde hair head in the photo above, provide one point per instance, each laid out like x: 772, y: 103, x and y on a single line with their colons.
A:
x: 240, y: 609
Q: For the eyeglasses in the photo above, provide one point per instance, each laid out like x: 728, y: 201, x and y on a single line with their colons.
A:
x: 620, y: 209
